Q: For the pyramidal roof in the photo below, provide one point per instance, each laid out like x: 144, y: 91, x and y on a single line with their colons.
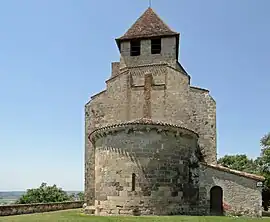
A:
x: 148, y: 25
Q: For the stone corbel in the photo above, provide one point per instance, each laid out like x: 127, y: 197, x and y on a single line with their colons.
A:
x: 148, y: 129
x: 159, y: 130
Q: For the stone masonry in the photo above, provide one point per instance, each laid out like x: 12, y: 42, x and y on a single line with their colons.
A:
x: 150, y: 137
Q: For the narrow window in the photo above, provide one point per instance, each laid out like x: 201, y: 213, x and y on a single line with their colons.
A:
x: 174, y: 194
x: 156, y: 46
x: 133, y: 181
x: 135, y: 47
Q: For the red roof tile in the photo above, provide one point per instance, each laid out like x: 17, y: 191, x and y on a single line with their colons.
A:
x: 148, y: 25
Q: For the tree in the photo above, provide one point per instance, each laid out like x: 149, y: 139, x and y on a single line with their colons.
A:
x: 73, y: 197
x: 260, y: 166
x: 239, y: 162
x: 264, y: 164
x: 265, y: 141
x: 44, y: 194
x: 80, y: 196
x: 77, y: 197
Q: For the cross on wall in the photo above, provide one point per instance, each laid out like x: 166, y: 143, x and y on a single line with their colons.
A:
x: 148, y: 82
x: 147, y: 88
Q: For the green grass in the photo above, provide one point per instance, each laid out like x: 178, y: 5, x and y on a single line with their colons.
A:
x: 77, y: 216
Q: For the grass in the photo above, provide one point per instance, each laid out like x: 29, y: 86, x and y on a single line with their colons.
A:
x: 77, y: 216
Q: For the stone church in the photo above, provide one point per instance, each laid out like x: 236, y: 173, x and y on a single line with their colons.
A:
x: 150, y: 137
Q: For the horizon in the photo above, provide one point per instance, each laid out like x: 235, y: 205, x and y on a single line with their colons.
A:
x: 56, y: 54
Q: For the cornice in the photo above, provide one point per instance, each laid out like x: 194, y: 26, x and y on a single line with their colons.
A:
x: 142, y: 125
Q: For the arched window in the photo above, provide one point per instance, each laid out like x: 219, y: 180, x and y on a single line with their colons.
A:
x: 133, y: 181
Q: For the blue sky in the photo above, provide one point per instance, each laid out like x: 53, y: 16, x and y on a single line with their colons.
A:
x: 55, y: 54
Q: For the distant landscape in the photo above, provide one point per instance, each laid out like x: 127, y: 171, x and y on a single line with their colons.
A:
x: 10, y: 197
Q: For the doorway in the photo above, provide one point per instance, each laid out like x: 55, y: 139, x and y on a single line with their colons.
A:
x: 216, y: 200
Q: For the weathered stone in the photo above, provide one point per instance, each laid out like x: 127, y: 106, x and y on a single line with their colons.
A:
x: 90, y: 210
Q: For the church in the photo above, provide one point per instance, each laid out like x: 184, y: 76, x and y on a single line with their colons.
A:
x: 150, y: 137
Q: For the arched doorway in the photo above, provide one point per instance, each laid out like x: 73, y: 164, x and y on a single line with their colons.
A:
x: 216, y: 197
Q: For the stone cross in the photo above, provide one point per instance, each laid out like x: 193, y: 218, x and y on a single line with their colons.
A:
x: 147, y: 88
x: 148, y: 82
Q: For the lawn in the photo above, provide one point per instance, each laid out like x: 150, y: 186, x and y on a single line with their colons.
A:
x: 76, y: 216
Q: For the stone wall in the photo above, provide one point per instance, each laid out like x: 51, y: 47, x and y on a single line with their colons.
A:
x: 203, y: 116
x: 241, y: 196
x: 16, y: 209
x: 162, y: 160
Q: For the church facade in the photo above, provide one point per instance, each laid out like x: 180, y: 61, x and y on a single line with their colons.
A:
x: 150, y: 137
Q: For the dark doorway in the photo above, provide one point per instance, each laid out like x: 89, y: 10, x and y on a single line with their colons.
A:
x: 216, y: 197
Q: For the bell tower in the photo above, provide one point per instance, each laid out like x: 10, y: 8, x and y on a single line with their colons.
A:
x: 148, y: 41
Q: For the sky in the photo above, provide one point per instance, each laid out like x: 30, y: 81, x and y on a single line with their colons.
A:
x: 55, y: 54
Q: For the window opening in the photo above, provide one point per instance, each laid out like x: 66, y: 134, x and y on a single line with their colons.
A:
x: 135, y: 47
x: 156, y: 46
x: 133, y: 181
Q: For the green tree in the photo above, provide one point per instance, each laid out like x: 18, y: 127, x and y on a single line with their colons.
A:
x: 239, y: 162
x: 264, y: 164
x: 73, y: 197
x: 44, y: 194
x: 80, y: 196
x: 77, y: 197
x: 265, y: 141
x: 260, y: 166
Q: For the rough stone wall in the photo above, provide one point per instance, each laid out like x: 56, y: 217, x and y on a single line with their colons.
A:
x: 164, y: 163
x: 241, y: 196
x: 9, y: 210
x: 203, y: 119
x: 177, y: 105
x: 94, y: 117
x: 115, y: 68
x: 107, y: 107
x: 117, y: 99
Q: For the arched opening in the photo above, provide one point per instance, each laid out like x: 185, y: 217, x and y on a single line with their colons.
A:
x: 216, y: 198
x: 133, y: 182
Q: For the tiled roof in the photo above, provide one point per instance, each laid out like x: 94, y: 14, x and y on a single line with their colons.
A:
x: 148, y: 25
x: 236, y: 172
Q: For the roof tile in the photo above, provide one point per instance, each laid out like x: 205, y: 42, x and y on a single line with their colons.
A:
x: 148, y: 25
